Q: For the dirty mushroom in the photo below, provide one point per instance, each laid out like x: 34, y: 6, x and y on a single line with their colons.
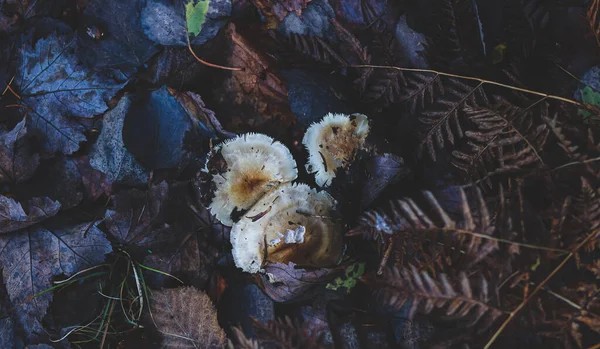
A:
x: 332, y: 143
x: 293, y: 223
x: 243, y: 170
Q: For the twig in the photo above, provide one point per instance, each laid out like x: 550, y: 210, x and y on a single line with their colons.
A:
x: 538, y: 288
x: 481, y: 81
x: 208, y: 64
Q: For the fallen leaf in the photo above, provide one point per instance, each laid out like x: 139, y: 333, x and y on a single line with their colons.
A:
x: 285, y: 282
x: 168, y: 22
x: 191, y: 261
x: 13, y: 216
x: 95, y: 182
x: 7, y: 327
x: 55, y: 87
x: 31, y: 258
x: 109, y: 154
x: 276, y: 10
x: 136, y: 217
x: 186, y: 318
x: 254, y: 99
x: 58, y: 179
x: 155, y: 130
x: 122, y: 42
x: 589, y: 97
x: 381, y: 171
x: 204, y: 119
x: 18, y: 161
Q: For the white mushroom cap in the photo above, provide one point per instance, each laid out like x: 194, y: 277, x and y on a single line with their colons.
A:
x: 254, y: 165
x: 332, y: 143
x: 295, y: 223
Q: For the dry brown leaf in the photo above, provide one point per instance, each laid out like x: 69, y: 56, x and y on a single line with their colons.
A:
x: 186, y: 318
x: 256, y: 98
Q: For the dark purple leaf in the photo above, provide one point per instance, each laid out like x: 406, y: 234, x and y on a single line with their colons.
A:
x: 95, y: 182
x: 191, y: 261
x: 57, y: 88
x: 155, y: 129
x: 284, y: 282
x: 381, y: 171
x: 30, y: 259
x: 136, y: 217
x: 111, y: 34
x: 13, y: 217
x: 18, y: 161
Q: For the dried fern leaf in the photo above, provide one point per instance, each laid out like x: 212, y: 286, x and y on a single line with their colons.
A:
x: 286, y: 334
x: 404, y: 224
x: 442, y: 122
x: 459, y: 297
x: 186, y: 318
x: 504, y: 138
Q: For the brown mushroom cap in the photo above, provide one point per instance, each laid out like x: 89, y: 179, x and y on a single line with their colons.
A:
x: 254, y: 165
x: 332, y: 143
x: 295, y: 223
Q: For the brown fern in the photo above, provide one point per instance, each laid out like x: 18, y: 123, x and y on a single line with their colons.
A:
x: 458, y: 297
x: 280, y: 334
x: 441, y: 122
x: 408, y: 228
x: 504, y: 139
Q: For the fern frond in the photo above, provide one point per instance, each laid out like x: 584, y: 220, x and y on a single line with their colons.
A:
x: 505, y: 138
x: 314, y: 49
x: 406, y: 226
x: 441, y: 122
x: 286, y: 334
x: 458, y: 297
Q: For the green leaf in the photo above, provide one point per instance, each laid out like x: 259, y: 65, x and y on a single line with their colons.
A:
x: 590, y: 97
x: 195, y: 15
x: 348, y: 281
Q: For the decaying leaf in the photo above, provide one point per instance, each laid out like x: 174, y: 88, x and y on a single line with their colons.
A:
x: 111, y: 35
x: 136, y: 217
x: 31, y: 258
x: 276, y: 10
x: 13, y: 216
x: 18, y: 161
x: 186, y: 318
x: 56, y: 88
x: 285, y: 282
x: 254, y: 99
x: 109, y: 154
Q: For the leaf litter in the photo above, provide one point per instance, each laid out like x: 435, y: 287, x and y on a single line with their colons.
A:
x: 468, y: 217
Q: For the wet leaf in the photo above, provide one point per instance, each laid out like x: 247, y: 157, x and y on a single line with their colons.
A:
x: 136, y: 217
x: 155, y: 130
x: 96, y: 183
x: 31, y: 258
x: 18, y: 161
x: 254, y: 99
x: 109, y: 154
x: 381, y: 171
x: 195, y: 15
x: 186, y: 318
x: 13, y: 217
x: 285, y: 282
x: 56, y: 88
x: 122, y: 43
x: 589, y: 97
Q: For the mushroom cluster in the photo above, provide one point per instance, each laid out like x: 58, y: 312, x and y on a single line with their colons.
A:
x: 272, y: 219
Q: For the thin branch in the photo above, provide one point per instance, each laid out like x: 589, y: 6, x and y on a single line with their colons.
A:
x: 482, y: 81
x: 208, y: 64
x: 488, y: 237
x: 539, y: 287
